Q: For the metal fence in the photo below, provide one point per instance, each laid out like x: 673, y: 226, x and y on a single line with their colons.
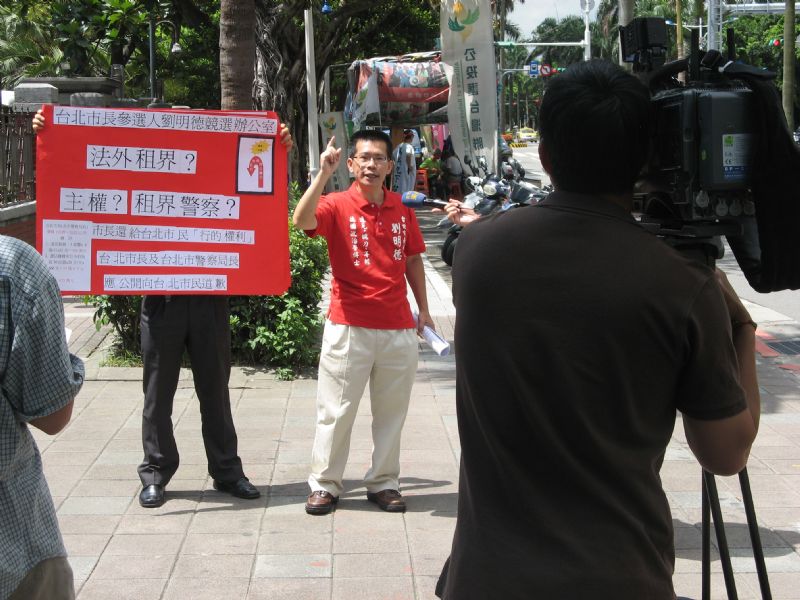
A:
x: 17, y: 157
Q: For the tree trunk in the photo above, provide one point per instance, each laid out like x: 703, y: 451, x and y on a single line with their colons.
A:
x: 281, y: 76
x: 788, y: 64
x: 280, y: 59
x: 679, y: 28
x: 237, y: 47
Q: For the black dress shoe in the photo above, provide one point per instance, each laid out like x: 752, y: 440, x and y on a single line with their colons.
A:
x: 241, y: 489
x: 152, y: 496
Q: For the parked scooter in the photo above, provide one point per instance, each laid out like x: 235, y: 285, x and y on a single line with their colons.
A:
x: 494, y: 194
x: 511, y: 169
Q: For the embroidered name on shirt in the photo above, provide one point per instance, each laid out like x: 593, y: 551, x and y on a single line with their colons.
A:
x: 399, y: 238
x: 359, y: 240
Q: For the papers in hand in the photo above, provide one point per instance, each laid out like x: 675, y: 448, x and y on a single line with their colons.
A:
x: 434, y: 340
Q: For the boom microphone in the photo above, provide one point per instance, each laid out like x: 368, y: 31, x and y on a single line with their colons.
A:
x: 418, y: 200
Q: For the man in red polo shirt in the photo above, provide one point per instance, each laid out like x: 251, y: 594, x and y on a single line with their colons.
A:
x: 375, y: 246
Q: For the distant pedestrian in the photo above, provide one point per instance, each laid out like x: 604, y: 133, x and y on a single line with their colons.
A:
x: 39, y: 380
x: 375, y: 248
x: 565, y: 408
x: 405, y: 165
x: 453, y: 170
x: 433, y: 167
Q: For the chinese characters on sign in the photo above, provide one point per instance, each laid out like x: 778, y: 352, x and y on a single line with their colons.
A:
x: 169, y: 202
x: 469, y: 62
x: 156, y: 160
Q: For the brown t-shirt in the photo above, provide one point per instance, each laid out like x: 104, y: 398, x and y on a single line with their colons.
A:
x: 578, y: 336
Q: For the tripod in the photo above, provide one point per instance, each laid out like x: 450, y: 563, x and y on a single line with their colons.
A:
x: 702, y: 243
x: 710, y: 507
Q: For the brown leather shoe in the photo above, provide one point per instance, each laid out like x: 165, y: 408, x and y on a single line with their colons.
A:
x: 388, y: 500
x: 320, y: 502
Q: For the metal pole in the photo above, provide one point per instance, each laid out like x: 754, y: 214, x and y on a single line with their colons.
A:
x: 700, y: 23
x: 311, y: 94
x: 755, y: 536
x: 587, y: 35
x: 625, y: 17
x: 705, y: 536
x: 753, y: 8
x: 712, y: 43
x: 722, y: 540
x: 151, y: 29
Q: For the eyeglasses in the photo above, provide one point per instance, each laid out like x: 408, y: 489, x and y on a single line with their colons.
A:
x: 364, y: 159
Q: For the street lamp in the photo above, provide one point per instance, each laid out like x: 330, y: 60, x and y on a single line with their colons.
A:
x: 175, y: 49
x: 686, y: 27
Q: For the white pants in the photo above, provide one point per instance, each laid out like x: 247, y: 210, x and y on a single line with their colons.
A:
x: 351, y: 356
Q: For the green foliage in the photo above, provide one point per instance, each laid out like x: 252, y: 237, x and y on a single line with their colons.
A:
x: 56, y: 38
x: 122, y: 313
x: 192, y: 78
x: 27, y: 48
x: 284, y: 330
x: 567, y: 29
x: 753, y: 35
x: 280, y: 331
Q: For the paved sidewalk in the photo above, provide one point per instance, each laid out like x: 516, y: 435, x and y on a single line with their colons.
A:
x: 204, y: 544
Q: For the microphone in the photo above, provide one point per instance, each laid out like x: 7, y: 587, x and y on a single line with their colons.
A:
x: 418, y: 200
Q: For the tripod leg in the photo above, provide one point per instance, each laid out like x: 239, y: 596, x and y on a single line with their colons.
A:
x: 722, y: 541
x: 755, y: 538
x: 705, y: 532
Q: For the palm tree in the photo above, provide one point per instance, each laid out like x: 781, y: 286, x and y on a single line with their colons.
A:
x: 501, y: 9
x: 27, y: 49
x: 569, y: 28
x: 789, y: 61
x: 237, y: 51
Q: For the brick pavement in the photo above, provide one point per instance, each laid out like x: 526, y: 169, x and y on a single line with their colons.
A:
x: 204, y: 544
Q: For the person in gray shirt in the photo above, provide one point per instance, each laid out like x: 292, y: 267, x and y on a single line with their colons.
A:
x: 39, y: 380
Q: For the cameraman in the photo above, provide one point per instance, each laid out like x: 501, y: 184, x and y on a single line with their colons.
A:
x: 565, y: 409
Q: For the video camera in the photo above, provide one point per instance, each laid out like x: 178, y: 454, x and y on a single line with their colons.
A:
x: 701, y: 180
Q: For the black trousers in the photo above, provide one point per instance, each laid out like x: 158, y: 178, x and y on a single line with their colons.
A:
x: 201, y: 325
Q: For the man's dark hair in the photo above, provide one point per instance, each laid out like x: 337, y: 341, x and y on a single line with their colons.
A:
x: 370, y: 135
x: 595, y: 127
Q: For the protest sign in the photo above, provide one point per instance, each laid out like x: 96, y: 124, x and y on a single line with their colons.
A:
x: 162, y: 201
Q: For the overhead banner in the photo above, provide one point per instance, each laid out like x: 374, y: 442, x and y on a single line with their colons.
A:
x: 365, y: 99
x: 468, y: 57
x: 392, y: 91
x: 162, y: 201
x: 332, y: 124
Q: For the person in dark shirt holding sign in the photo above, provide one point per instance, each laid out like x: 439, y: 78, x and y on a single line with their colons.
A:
x: 201, y: 326
x: 565, y: 409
